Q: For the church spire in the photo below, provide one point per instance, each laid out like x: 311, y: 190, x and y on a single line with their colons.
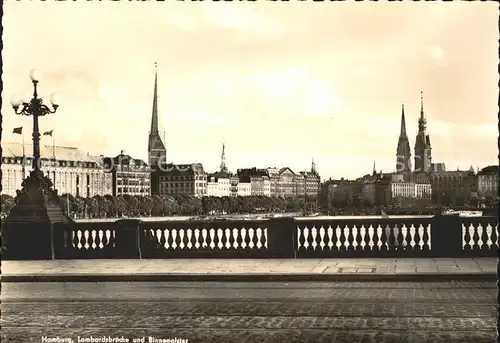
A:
x: 422, y: 115
x: 374, y: 168
x: 223, y: 167
x: 403, y: 122
x: 313, y: 166
x: 157, y: 152
x: 403, y: 153
x: 154, y: 117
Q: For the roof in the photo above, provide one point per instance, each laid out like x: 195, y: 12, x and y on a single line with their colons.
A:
x: 217, y: 176
x: 61, y: 153
x: 489, y: 170
x: 124, y: 160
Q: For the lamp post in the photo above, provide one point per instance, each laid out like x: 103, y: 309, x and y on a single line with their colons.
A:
x: 36, y: 108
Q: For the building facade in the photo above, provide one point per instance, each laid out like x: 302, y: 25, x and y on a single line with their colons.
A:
x: 130, y: 176
x: 453, y: 187
x: 487, y: 182
x: 71, y: 170
x: 218, y: 185
x: 180, y: 179
x: 260, y: 183
x: 286, y: 183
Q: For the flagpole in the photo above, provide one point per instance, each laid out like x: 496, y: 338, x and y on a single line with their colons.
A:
x: 53, y: 147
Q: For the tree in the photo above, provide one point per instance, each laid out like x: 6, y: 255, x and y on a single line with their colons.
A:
x: 8, y: 203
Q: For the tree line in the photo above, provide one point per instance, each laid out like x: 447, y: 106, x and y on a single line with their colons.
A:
x: 142, y: 206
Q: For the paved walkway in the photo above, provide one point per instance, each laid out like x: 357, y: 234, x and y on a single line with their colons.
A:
x: 267, y: 312
x: 251, y: 269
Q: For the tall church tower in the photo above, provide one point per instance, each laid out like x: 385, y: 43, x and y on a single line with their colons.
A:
x: 403, y: 154
x: 423, y: 156
x: 223, y: 167
x: 156, y: 146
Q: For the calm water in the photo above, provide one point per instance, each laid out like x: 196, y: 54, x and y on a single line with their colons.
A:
x: 251, y: 216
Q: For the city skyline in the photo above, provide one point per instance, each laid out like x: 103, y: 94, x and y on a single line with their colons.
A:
x: 325, y: 89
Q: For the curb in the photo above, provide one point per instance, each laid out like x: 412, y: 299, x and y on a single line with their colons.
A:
x: 422, y: 277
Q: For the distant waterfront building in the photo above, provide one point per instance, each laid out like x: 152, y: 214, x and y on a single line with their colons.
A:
x: 423, y: 150
x: 487, y: 182
x: 180, y: 179
x: 218, y: 185
x: 286, y: 183
x: 260, y: 183
x: 312, y: 181
x: 71, y: 170
x: 453, y: 187
x: 408, y: 188
x: 130, y: 175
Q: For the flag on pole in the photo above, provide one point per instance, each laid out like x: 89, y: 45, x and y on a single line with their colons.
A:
x: 18, y: 130
x: 48, y: 133
x: 384, y: 215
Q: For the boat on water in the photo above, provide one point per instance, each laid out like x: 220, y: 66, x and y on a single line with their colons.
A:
x: 451, y: 212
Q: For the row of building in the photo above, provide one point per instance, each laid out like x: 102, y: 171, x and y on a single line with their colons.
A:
x: 439, y: 187
x: 80, y: 174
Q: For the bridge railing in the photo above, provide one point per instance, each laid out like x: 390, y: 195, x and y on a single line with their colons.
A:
x: 445, y: 236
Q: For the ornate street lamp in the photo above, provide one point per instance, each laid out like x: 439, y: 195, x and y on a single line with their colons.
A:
x: 29, y: 230
x: 36, y: 108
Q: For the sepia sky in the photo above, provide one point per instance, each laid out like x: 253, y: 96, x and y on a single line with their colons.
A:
x: 280, y: 83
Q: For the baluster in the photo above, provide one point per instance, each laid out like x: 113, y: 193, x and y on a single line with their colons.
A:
x: 366, y: 238
x: 211, y: 238
x: 301, y: 239
x: 391, y: 236
x: 484, y: 237
x: 314, y: 236
x: 235, y: 233
x: 342, y: 238
x: 317, y: 239
x: 166, y: 239
x: 350, y: 237
x: 400, y: 237
x: 179, y: 239
x: 335, y: 238
x: 98, y: 240
x: 383, y: 239
x: 410, y: 232
x: 358, y: 238
x: 417, y: 239
x: 494, y: 237
x: 174, y: 234
x: 223, y: 238
x: 467, y: 237
x: 425, y: 239
x: 376, y: 238
x: 189, y: 239
x: 263, y: 238
x: 219, y: 238
x: 86, y: 239
x: 330, y: 233
x: 475, y: 238
x: 255, y: 239
x: 247, y: 239
x: 186, y: 239
x: 197, y: 238
x: 322, y: 236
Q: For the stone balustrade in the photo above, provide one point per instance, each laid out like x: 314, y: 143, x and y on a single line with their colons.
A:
x: 439, y: 236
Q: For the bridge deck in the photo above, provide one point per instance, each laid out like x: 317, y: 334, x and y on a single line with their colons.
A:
x: 248, y: 269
